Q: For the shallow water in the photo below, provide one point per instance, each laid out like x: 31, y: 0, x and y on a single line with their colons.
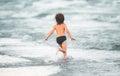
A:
x: 94, y: 23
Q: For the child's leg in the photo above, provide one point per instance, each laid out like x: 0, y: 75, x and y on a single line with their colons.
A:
x: 59, y: 49
x: 64, y: 49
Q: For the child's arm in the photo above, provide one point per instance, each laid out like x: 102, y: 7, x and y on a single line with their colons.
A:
x: 50, y: 33
x: 68, y: 32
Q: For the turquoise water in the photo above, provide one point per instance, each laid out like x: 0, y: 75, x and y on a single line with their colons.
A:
x: 94, y: 23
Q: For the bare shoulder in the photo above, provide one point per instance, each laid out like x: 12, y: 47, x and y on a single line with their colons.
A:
x: 64, y: 25
x: 54, y: 26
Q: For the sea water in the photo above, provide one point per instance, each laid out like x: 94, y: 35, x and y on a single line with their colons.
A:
x: 95, y: 24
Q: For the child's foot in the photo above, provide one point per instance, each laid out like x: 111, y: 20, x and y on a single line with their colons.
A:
x: 65, y: 58
x: 57, y: 51
x: 61, y: 50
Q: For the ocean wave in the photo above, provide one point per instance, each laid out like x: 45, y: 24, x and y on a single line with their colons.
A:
x: 104, y: 3
x: 112, y: 18
x: 28, y: 9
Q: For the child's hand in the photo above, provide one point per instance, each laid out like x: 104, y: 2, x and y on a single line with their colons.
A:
x: 72, y: 38
x: 46, y: 39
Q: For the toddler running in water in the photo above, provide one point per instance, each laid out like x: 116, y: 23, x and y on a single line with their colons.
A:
x: 61, y: 29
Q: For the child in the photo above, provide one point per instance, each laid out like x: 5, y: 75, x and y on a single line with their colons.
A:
x: 61, y: 29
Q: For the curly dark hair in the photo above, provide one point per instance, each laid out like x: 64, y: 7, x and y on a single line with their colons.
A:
x: 59, y: 18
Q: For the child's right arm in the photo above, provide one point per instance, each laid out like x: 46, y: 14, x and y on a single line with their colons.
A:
x: 50, y: 33
x: 68, y: 32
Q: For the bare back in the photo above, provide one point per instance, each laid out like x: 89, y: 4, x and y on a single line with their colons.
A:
x: 60, y: 29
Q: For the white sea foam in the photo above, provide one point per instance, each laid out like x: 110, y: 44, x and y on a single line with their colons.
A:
x: 38, y: 7
x: 30, y: 71
x: 89, y: 26
x: 4, y: 13
x: 28, y: 49
x: 11, y: 42
x: 55, y: 4
x: 24, y: 14
x: 93, y: 55
x: 9, y: 59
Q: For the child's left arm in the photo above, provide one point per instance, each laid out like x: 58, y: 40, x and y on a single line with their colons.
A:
x: 50, y: 33
x: 68, y: 32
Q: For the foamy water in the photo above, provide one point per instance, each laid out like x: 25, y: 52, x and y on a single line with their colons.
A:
x: 94, y: 24
x: 30, y: 71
